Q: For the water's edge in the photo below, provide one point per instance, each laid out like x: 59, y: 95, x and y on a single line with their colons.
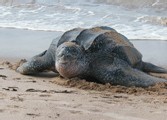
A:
x: 133, y: 18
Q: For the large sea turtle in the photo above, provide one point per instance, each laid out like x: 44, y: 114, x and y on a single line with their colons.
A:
x: 99, y: 53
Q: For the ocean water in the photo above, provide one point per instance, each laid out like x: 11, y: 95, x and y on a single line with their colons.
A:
x: 136, y: 19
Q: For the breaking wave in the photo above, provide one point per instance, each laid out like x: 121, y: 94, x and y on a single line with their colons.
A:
x: 137, y: 19
x: 161, y: 4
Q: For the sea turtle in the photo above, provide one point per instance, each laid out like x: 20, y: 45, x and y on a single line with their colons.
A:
x: 99, y: 53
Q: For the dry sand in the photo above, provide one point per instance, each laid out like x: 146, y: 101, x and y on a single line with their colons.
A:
x: 47, y: 96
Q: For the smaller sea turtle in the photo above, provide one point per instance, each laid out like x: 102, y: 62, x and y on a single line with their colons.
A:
x: 99, y: 53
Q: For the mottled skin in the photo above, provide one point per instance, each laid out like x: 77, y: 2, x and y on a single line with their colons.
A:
x: 100, y: 53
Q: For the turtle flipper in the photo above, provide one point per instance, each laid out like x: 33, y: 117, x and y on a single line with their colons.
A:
x: 149, y: 67
x: 120, y: 73
x: 37, y: 64
x: 30, y: 67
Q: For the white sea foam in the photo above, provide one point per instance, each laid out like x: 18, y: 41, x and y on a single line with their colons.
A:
x: 133, y: 18
x: 158, y: 20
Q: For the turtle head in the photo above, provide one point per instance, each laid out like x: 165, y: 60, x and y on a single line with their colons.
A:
x: 70, y: 60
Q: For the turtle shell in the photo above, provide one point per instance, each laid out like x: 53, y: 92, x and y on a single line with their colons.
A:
x: 103, y: 40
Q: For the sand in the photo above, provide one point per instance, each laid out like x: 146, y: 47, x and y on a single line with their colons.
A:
x: 47, y: 96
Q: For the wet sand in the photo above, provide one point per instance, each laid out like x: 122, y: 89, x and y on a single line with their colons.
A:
x: 153, y: 50
x: 17, y: 43
x: 47, y: 96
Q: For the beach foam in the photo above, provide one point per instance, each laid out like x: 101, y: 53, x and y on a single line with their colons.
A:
x: 135, y: 19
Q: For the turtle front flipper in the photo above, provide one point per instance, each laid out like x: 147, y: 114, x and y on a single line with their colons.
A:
x: 120, y: 73
x: 37, y: 64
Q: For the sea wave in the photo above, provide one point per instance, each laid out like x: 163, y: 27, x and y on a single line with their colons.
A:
x: 157, y: 20
x: 161, y: 4
x: 145, y: 19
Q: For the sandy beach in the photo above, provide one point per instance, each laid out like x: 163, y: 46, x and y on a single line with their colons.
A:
x: 47, y: 96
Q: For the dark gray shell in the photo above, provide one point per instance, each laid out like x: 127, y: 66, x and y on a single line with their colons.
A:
x: 106, y: 39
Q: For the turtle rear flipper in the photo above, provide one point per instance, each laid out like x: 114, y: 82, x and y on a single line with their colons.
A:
x: 149, y: 67
x: 120, y: 73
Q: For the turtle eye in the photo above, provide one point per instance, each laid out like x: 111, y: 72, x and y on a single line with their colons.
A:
x: 73, y: 51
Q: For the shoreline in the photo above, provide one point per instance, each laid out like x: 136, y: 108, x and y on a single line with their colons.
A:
x: 18, y: 43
